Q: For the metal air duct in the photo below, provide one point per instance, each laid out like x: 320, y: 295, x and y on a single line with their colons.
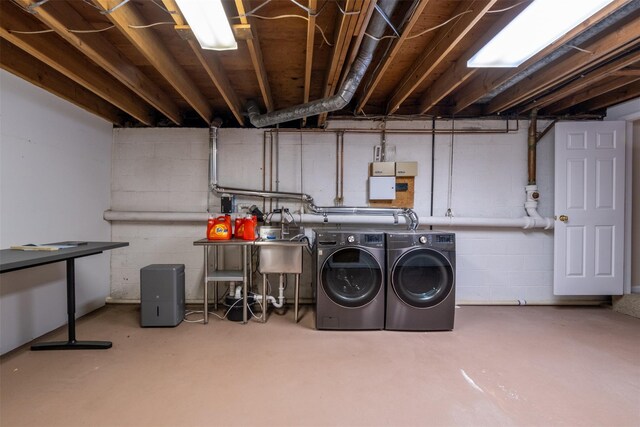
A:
x: 375, y: 30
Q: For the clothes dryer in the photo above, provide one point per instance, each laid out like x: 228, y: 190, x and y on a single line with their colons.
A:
x: 349, y: 279
x: 420, y: 281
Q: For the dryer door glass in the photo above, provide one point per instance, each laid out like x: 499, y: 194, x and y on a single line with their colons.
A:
x: 351, y: 277
x: 422, y: 278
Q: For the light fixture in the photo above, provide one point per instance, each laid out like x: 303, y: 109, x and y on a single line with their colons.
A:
x: 209, y: 23
x: 539, y: 25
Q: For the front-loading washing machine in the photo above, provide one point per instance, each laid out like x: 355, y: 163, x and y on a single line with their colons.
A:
x: 420, y: 281
x: 349, y: 279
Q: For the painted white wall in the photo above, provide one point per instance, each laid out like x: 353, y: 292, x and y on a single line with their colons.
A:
x: 630, y: 112
x: 166, y: 170
x: 635, y: 222
x: 55, y: 173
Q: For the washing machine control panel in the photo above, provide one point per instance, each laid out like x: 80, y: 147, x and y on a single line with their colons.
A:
x: 445, y: 238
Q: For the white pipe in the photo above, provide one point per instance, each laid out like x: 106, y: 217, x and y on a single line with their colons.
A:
x: 526, y: 222
x: 536, y: 303
x: 273, y: 301
x: 270, y: 299
x: 531, y: 206
x: 152, y: 216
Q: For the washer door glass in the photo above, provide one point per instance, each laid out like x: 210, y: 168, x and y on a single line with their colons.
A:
x: 351, y: 277
x: 422, y: 278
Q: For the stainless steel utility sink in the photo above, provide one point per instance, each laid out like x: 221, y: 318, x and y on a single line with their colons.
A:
x: 278, y: 254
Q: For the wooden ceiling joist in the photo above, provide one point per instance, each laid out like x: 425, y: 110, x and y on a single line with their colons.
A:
x: 27, y: 67
x: 60, y: 17
x: 211, y: 65
x: 345, y: 32
x: 458, y: 72
x: 308, y: 60
x: 388, y: 60
x: 590, y: 93
x: 447, y: 38
x: 488, y: 80
x: 630, y: 91
x: 630, y: 71
x: 150, y: 45
x: 585, y: 81
x: 603, y: 48
x: 50, y: 50
x: 255, y: 52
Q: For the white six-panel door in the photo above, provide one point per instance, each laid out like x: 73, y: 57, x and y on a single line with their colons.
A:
x: 589, y: 208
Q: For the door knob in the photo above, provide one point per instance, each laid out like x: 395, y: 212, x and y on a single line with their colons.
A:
x: 564, y: 218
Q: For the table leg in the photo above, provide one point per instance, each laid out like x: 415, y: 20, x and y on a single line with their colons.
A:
x: 215, y: 284
x: 296, y: 298
x: 265, y: 304
x: 244, y: 284
x: 71, y: 343
x: 206, y: 285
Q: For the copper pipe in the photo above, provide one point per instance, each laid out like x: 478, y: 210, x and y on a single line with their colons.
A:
x: 531, y: 142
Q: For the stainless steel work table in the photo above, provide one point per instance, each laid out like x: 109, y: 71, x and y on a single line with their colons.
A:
x: 244, y: 274
x: 225, y: 275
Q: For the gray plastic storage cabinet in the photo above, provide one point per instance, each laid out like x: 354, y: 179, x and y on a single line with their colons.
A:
x: 161, y: 295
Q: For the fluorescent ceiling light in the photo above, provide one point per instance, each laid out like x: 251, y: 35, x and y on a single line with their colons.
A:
x: 539, y: 25
x: 209, y: 23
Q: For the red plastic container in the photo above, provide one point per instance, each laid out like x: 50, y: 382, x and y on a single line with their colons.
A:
x: 238, y: 232
x: 250, y: 224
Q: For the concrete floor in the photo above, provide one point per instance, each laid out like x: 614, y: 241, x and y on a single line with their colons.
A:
x: 501, y: 366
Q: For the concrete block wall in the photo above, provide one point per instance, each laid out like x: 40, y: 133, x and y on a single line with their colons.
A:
x: 161, y: 170
x: 55, y: 172
x: 166, y: 170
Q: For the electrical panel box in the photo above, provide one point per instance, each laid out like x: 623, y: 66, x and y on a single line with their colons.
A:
x: 382, y: 169
x: 382, y: 188
x: 162, y: 295
x: 406, y: 168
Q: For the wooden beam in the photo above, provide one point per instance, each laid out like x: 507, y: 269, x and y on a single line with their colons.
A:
x: 308, y: 63
x: 447, y: 38
x: 256, y: 58
x: 630, y: 91
x: 600, y: 50
x: 388, y: 60
x: 458, y: 72
x: 590, y: 93
x: 628, y: 72
x: 343, y: 34
x: 585, y: 81
x: 50, y: 50
x: 367, y: 9
x: 211, y: 65
x: 343, y: 40
x: 25, y: 66
x: 153, y: 49
x: 488, y: 80
x: 59, y: 16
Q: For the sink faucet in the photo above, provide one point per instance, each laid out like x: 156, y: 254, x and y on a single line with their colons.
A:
x: 285, y: 220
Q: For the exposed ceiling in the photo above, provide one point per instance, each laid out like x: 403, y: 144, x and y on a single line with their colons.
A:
x: 135, y: 65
